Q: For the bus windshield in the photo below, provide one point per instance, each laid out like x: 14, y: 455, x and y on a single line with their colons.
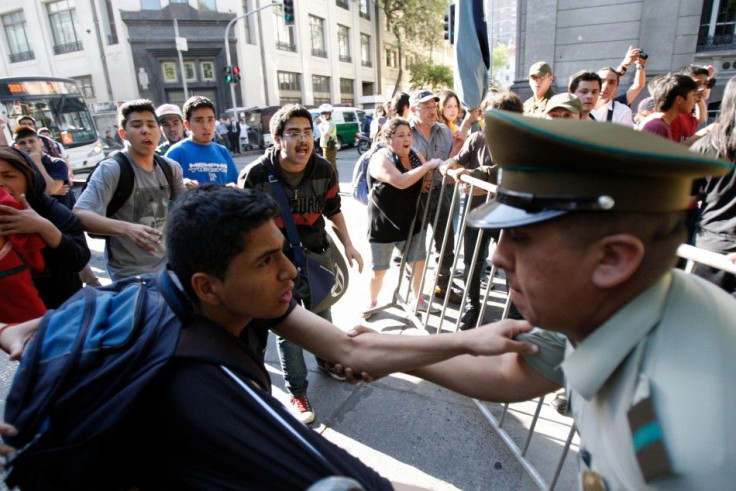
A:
x: 55, y: 104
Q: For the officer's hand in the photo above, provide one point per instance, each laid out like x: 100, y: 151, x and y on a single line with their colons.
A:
x: 191, y: 183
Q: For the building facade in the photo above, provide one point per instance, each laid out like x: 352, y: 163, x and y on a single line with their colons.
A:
x: 336, y: 51
x: 573, y: 36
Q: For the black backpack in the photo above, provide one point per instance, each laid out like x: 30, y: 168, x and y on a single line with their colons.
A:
x: 124, y: 188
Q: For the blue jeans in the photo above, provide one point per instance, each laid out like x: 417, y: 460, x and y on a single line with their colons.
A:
x: 292, y: 363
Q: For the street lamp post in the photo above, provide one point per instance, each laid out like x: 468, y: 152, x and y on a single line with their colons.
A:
x: 227, y: 47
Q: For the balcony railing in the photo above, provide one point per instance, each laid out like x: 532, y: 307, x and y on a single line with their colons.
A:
x: 22, y: 56
x: 285, y: 46
x: 343, y: 4
x: 319, y: 52
x: 367, y: 63
x: 112, y: 38
x: 60, y: 49
x: 346, y: 58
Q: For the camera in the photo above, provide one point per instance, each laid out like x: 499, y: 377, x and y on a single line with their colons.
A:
x: 643, y: 55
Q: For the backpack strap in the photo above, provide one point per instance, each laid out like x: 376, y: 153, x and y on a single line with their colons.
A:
x: 168, y: 173
x: 124, y: 188
x: 291, y: 232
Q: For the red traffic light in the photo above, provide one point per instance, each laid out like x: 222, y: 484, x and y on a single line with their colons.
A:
x: 236, y: 70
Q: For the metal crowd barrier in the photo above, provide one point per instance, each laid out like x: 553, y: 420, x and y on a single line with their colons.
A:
x: 500, y: 300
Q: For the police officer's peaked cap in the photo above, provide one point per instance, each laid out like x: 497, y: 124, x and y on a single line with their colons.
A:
x: 553, y: 167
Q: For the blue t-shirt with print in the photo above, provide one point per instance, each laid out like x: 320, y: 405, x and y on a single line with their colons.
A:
x: 204, y: 163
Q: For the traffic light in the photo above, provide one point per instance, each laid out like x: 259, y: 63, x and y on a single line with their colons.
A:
x: 450, y: 24
x: 228, y: 74
x: 236, y: 74
x: 288, y: 7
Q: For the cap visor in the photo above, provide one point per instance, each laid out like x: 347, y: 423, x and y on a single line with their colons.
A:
x: 499, y: 215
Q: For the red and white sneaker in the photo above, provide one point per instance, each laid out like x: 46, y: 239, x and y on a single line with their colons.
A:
x: 302, y: 409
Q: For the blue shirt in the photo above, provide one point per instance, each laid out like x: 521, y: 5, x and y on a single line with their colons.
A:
x: 204, y: 163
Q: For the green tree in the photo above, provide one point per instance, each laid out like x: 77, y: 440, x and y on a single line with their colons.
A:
x: 499, y: 59
x: 425, y: 74
x: 416, y: 21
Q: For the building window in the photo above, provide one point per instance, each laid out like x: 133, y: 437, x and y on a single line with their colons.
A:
x: 289, y: 81
x: 364, y: 9
x: 717, y: 24
x: 168, y: 71
x: 346, y: 86
x: 112, y: 32
x: 391, y: 58
x: 343, y: 3
x: 320, y: 83
x: 190, y: 72
x: 207, y: 70
x: 343, y: 43
x: 247, y: 7
x: 317, y: 35
x: 207, y: 5
x: 63, y: 20
x: 14, y: 25
x: 347, y: 92
x: 289, y: 100
x: 284, y: 33
x: 85, y: 86
x: 150, y: 4
x: 365, y: 50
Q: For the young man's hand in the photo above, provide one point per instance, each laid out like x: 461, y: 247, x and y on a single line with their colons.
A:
x: 145, y: 237
x: 6, y: 450
x: 14, y: 337
x: 352, y: 254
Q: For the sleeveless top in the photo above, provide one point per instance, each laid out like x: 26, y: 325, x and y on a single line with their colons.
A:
x: 391, y: 210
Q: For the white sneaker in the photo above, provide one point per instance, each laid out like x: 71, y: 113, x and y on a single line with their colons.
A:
x: 302, y: 409
x: 424, y: 307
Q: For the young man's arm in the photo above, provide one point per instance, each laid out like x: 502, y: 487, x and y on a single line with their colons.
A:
x: 91, y: 206
x: 380, y: 354
x: 341, y: 230
x: 145, y: 237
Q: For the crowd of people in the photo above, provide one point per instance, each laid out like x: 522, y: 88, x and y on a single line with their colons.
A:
x: 591, y: 214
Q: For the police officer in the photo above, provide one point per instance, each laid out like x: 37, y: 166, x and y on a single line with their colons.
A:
x: 592, y: 217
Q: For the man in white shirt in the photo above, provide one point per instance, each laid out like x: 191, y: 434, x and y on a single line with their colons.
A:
x: 607, y: 108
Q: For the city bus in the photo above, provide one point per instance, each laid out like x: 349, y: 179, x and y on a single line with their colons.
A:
x: 57, y: 104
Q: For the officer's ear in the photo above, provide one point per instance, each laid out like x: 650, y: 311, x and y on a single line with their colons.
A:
x: 618, y: 257
x: 207, y: 288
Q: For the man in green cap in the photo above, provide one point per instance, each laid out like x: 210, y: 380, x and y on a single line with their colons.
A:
x: 540, y: 81
x: 563, y: 106
x: 592, y: 216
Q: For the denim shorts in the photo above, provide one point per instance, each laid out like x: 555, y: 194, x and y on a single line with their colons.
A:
x: 381, y: 252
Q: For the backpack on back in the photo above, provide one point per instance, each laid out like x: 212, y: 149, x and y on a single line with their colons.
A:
x: 124, y: 187
x: 81, y: 374
x: 361, y: 179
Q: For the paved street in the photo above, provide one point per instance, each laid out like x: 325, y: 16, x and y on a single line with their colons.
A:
x: 407, y: 429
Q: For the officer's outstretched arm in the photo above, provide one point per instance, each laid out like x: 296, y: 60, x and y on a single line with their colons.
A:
x: 503, y: 378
